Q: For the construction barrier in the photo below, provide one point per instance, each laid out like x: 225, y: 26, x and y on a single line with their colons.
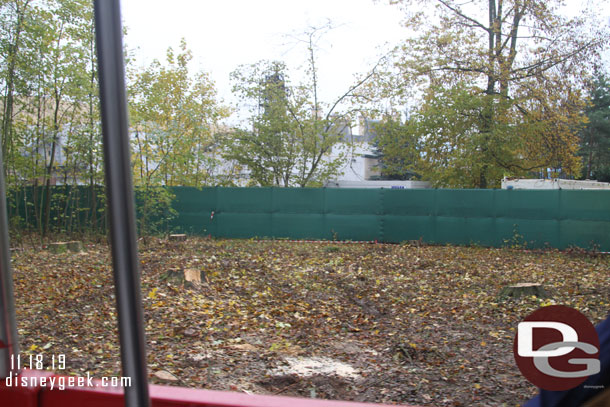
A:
x: 532, y: 218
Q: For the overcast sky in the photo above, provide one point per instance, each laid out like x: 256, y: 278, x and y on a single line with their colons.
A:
x: 226, y: 33
x: 223, y: 34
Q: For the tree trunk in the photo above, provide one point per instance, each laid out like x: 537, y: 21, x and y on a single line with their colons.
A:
x: 47, y: 191
x: 523, y: 290
x: 7, y: 122
x: 49, y: 173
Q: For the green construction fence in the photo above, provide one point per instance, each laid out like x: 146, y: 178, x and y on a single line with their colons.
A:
x: 537, y: 218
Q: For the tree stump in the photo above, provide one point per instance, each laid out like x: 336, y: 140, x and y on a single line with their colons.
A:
x: 177, y: 238
x: 63, y: 247
x: 58, y: 247
x: 76, y: 246
x: 523, y: 290
x: 189, y: 278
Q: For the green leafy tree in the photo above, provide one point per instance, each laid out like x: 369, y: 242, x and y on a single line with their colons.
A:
x: 450, y: 135
x: 595, y: 137
x: 19, y: 20
x: 64, y: 76
x: 521, y: 62
x: 397, y: 146
x: 270, y: 150
x: 49, y: 119
x: 293, y: 132
x: 174, y: 117
x: 442, y: 139
x: 48, y: 80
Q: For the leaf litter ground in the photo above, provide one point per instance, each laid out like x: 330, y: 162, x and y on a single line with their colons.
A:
x: 363, y: 322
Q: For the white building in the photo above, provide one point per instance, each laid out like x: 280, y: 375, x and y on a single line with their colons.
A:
x: 514, y: 183
x: 361, y: 168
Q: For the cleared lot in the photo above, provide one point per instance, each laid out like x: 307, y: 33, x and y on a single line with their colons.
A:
x: 365, y: 322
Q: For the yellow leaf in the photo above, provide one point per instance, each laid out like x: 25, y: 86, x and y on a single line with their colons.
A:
x: 153, y: 293
x: 477, y: 386
x: 483, y: 343
x: 33, y: 347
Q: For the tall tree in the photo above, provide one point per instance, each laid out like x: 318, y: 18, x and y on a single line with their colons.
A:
x: 175, y: 116
x: 66, y: 74
x: 46, y: 76
x: 595, y: 136
x: 521, y: 60
x: 270, y: 149
x: 14, y: 18
x: 397, y: 147
x: 174, y: 119
x: 293, y: 132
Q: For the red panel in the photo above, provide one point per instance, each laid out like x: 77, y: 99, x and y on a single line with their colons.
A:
x: 13, y: 392
x: 164, y: 396
x: 77, y: 396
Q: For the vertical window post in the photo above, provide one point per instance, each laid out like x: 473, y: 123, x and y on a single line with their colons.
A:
x: 120, y: 197
x: 9, y: 344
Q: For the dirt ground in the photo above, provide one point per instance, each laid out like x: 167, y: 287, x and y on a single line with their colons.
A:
x: 364, y: 322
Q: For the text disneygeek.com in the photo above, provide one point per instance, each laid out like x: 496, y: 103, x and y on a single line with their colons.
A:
x: 63, y: 382
x: 55, y: 363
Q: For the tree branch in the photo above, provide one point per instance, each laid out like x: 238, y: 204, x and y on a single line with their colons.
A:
x: 459, y: 13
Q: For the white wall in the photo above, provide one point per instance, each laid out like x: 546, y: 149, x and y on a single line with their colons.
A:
x: 552, y: 184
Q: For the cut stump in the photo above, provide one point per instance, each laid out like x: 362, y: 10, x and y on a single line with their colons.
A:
x: 58, y: 247
x: 76, y: 246
x: 177, y: 238
x: 523, y: 290
x: 63, y: 247
x: 190, y: 278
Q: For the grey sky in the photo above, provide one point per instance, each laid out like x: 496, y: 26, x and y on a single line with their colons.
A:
x: 225, y: 34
